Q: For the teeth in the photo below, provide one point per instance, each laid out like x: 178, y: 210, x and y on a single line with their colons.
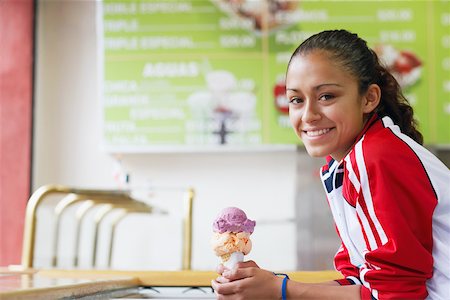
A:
x: 317, y: 132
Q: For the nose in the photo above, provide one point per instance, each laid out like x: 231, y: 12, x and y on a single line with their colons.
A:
x: 311, y: 112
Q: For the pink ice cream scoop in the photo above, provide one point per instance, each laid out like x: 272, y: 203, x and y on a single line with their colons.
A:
x: 231, y: 238
x: 233, y: 219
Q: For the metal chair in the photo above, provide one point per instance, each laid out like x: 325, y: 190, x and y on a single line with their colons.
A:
x: 105, y: 201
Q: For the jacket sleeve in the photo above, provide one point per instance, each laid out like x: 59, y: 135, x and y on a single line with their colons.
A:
x: 395, y: 207
x: 344, y: 266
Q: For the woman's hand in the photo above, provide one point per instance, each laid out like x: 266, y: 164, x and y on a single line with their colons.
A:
x: 247, y: 281
x: 246, y: 264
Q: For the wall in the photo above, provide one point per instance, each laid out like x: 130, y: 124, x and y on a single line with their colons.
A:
x: 264, y: 183
x: 16, y: 86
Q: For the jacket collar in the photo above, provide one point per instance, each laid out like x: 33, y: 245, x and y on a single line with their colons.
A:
x: 373, y: 119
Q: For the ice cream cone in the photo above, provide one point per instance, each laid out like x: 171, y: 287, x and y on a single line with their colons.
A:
x: 231, y: 238
x: 230, y: 260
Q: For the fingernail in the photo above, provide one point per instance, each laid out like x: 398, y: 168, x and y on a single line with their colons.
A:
x: 226, y: 273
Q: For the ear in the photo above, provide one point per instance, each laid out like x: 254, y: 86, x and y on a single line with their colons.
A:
x: 372, y: 98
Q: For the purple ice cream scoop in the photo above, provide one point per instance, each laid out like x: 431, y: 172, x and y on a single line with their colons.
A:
x: 233, y: 219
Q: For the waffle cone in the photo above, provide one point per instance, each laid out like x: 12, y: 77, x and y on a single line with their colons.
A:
x: 225, y: 257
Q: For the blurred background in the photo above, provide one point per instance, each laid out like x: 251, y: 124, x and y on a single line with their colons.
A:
x: 155, y: 97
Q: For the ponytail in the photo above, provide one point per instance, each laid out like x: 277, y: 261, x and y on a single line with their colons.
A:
x: 394, y: 104
x: 353, y: 54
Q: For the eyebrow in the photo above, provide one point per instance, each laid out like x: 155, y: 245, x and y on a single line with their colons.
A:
x: 318, y: 87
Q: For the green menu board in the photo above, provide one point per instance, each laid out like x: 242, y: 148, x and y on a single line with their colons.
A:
x: 439, y: 53
x: 211, y: 72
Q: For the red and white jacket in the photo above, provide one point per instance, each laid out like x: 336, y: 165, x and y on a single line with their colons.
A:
x: 390, y: 199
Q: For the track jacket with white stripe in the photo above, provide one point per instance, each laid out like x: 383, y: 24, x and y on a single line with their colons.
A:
x: 390, y: 199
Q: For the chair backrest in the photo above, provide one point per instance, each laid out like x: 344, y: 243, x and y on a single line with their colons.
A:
x: 102, y: 203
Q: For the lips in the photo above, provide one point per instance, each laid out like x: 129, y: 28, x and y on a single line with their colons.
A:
x: 317, y: 132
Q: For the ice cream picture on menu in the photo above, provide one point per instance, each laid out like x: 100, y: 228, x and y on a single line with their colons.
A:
x: 231, y: 237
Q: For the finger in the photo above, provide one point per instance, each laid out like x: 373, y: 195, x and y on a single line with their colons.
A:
x: 239, y: 273
x: 223, y: 288
x: 222, y: 279
x: 214, y: 285
x: 221, y: 268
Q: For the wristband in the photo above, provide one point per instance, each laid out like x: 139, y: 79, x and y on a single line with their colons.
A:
x: 283, y: 285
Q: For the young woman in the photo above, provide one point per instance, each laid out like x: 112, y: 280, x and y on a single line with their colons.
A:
x: 389, y: 196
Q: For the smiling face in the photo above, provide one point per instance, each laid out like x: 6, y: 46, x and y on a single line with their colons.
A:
x: 325, y: 108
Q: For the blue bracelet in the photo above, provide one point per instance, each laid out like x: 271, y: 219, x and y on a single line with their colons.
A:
x: 283, y: 285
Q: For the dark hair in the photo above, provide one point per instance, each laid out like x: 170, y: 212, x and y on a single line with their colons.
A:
x: 354, y: 55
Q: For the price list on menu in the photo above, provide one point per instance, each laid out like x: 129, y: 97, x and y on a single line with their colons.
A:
x: 440, y: 53
x: 211, y: 72
x: 180, y: 73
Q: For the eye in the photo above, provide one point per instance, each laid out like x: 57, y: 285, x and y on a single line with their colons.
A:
x: 326, y: 97
x: 295, y: 100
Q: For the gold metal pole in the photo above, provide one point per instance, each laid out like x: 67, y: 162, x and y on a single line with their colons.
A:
x: 102, y: 213
x: 30, y: 221
x: 99, y: 216
x: 116, y: 221
x: 123, y: 213
x: 35, y: 200
x: 120, y: 198
x: 79, y: 215
x: 69, y: 200
x: 187, y: 228
x: 59, y: 209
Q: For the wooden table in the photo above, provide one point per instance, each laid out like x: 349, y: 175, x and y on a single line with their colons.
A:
x: 105, y: 284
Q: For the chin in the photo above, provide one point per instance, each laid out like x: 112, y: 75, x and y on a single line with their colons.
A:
x: 315, y: 152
